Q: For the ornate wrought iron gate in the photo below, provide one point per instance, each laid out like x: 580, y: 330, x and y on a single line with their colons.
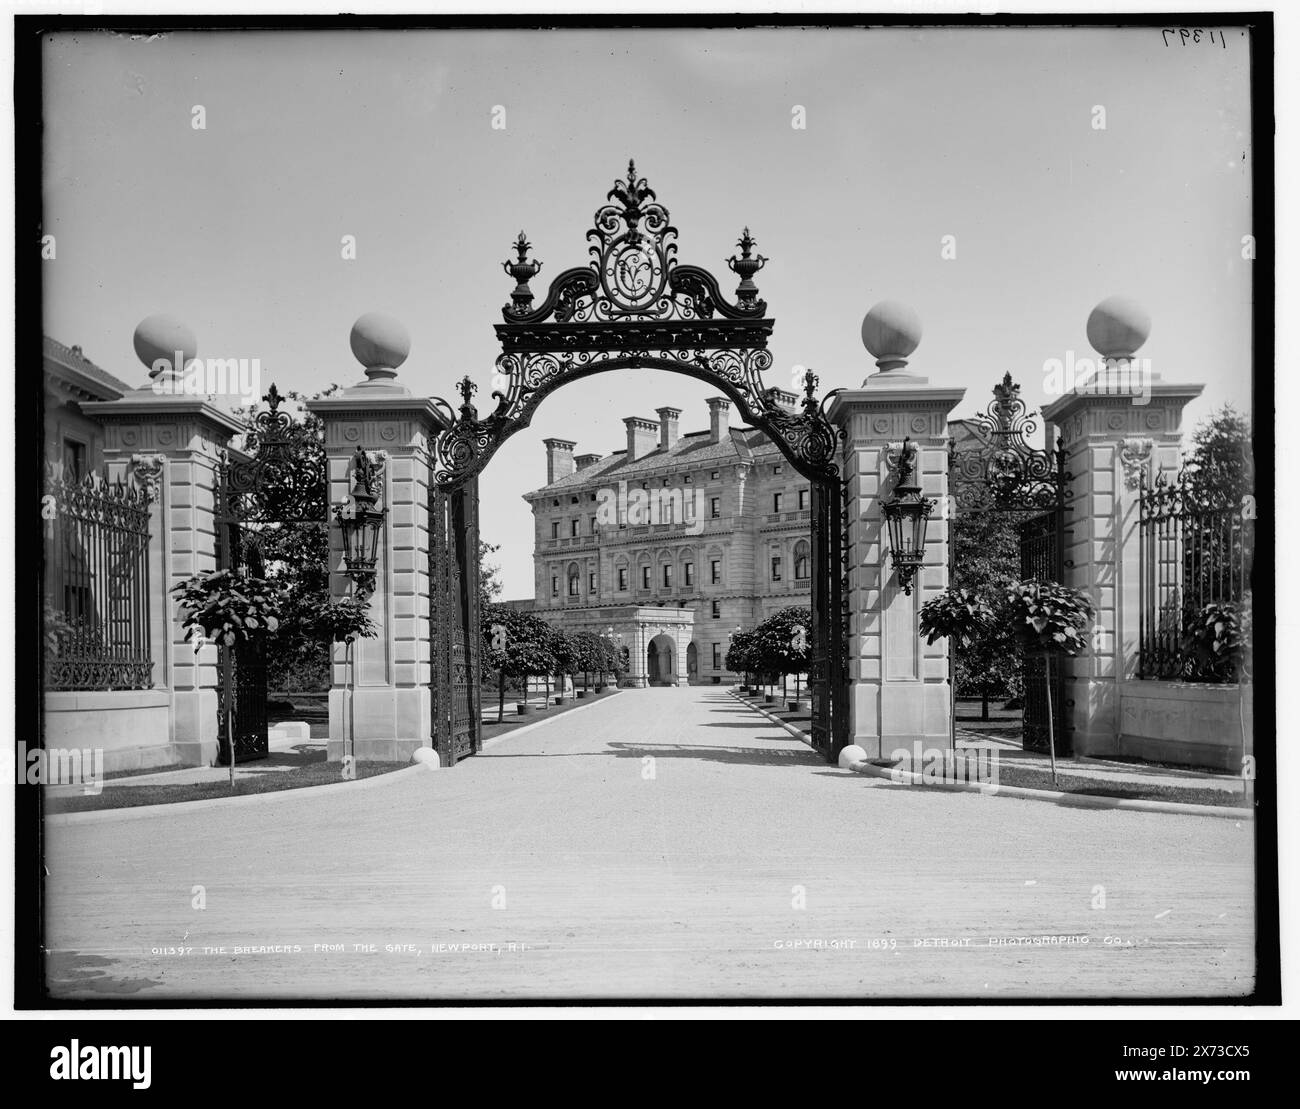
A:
x: 278, y: 481
x: 455, y: 683
x: 634, y: 306
x: 995, y: 470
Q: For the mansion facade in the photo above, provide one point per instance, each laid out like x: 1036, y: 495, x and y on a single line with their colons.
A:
x: 673, y: 543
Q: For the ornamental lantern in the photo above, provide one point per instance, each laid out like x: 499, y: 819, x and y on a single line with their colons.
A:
x: 362, y: 523
x: 906, y: 514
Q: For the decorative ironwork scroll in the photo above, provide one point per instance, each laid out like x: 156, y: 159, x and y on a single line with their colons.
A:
x: 280, y: 475
x: 634, y: 306
x: 1000, y: 471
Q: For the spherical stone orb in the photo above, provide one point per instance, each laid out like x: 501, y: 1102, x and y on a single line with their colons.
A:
x: 426, y: 757
x: 159, y: 337
x: 851, y: 756
x: 891, y: 331
x: 1117, y: 327
x: 380, y: 341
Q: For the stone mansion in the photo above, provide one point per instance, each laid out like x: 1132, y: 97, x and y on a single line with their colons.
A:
x: 672, y: 543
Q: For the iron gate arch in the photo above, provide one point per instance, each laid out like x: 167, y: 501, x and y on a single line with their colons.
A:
x: 632, y: 306
x: 278, y: 480
x: 1002, y: 473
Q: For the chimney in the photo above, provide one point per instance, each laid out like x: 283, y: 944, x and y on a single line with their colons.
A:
x: 667, y: 426
x: 787, y: 400
x: 559, y: 459
x: 585, y: 460
x: 719, y: 418
x: 641, y: 437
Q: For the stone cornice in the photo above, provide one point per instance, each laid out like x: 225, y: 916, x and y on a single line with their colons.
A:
x: 1064, y: 407
x: 398, y: 406
x: 146, y: 406
x: 888, y: 399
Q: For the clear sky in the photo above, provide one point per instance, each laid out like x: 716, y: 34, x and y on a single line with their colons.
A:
x: 911, y: 135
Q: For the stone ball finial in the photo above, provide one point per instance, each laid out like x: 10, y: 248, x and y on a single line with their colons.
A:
x: 158, y: 338
x: 380, y: 343
x: 891, y: 332
x: 1117, y: 327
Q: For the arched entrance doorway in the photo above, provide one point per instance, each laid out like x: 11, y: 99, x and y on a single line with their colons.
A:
x: 661, y: 668
x: 633, y: 306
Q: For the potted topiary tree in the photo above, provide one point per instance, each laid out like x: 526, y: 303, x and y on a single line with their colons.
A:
x: 228, y: 607
x: 1049, y: 620
x: 960, y: 617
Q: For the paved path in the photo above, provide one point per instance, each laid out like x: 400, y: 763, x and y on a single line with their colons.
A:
x: 662, y: 843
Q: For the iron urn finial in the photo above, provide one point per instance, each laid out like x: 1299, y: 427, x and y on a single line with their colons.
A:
x: 745, y: 267
x: 522, y: 270
x: 467, y: 389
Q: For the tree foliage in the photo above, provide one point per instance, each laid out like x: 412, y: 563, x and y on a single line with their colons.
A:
x: 986, y: 557
x: 1049, y: 618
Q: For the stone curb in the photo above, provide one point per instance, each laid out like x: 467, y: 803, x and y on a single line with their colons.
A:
x: 545, y: 720
x: 1067, y: 800
x: 138, y: 812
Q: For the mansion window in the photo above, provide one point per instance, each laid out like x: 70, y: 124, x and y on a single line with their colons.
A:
x: 776, y: 502
x: 555, y: 586
x: 668, y: 576
x: 573, y: 582
x: 717, y: 656
x: 776, y: 469
x: 716, y: 612
x: 688, y: 571
x: 803, y: 498
x: 555, y: 529
x: 800, y: 566
x: 74, y: 460
x: 776, y: 567
x: 645, y: 577
x: 714, y: 476
x: 715, y: 507
x: 715, y: 571
x: 591, y: 583
x: 593, y: 525
x: 622, y: 579
x: 573, y: 528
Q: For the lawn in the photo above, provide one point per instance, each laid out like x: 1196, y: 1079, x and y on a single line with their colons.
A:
x: 318, y: 772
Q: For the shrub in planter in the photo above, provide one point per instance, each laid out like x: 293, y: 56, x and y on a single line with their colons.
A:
x: 1214, y: 641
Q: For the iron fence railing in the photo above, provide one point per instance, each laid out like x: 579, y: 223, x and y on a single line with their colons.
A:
x: 96, y: 580
x: 1196, y: 534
